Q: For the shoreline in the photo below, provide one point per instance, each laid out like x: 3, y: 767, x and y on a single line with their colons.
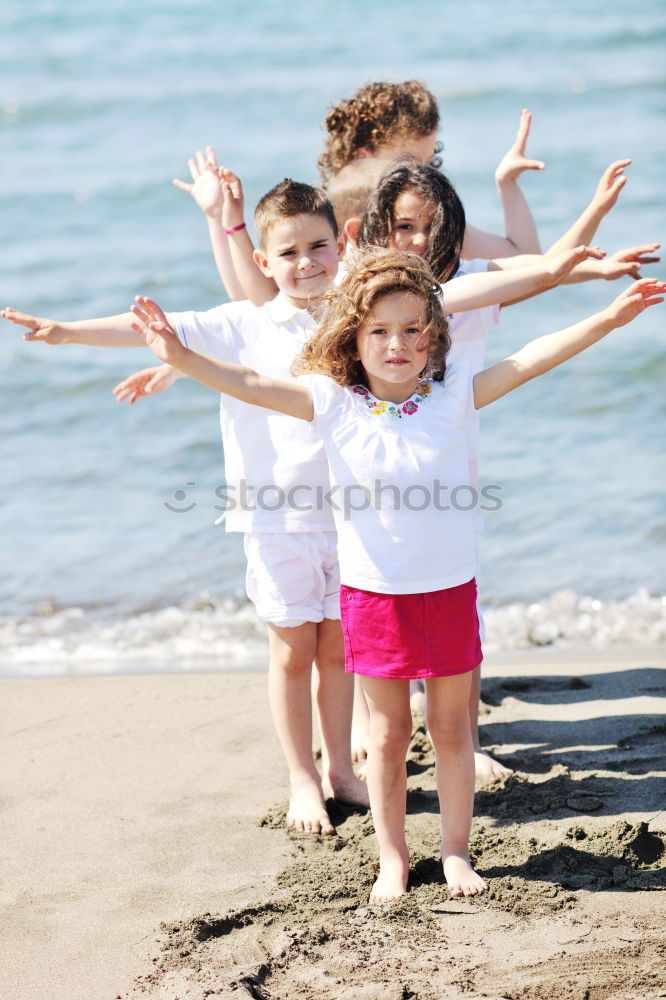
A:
x: 135, y: 801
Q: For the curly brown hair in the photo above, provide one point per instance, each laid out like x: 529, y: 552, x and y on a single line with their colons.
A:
x: 375, y: 273
x: 376, y: 116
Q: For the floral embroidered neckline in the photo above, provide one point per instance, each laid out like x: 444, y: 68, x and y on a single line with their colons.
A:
x: 411, y: 405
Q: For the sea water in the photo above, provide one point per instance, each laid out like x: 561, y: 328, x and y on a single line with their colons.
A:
x: 101, y: 106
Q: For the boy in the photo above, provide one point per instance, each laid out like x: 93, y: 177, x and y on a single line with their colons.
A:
x: 277, y: 478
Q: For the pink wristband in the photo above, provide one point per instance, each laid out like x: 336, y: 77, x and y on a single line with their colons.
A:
x: 235, y: 229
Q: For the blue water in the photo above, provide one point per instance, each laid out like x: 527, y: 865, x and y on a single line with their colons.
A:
x: 100, y: 107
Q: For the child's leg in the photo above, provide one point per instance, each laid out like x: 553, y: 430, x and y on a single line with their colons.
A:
x: 485, y: 766
x: 390, y: 732
x: 334, y: 691
x: 360, y: 723
x: 417, y: 697
x: 292, y: 651
x: 448, y: 725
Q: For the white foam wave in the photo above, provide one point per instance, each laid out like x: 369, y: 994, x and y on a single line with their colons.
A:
x: 212, y: 634
x: 566, y: 618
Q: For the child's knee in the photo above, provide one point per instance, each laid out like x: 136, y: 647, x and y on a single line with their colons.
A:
x: 391, y: 736
x: 449, y: 732
x: 290, y: 663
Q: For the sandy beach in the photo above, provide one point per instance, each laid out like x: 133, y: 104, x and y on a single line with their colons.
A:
x: 143, y: 853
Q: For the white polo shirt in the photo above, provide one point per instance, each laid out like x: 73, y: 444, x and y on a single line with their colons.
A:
x: 400, y: 486
x: 275, y: 466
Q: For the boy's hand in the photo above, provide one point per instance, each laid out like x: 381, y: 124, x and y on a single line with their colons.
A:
x: 628, y: 262
x: 634, y: 300
x: 160, y: 336
x: 38, y: 328
x: 608, y: 190
x: 145, y: 383
x: 205, y: 188
x: 233, y: 201
x: 559, y: 267
x: 514, y: 162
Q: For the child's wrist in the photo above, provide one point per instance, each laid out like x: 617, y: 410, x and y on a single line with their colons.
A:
x: 505, y: 180
x: 231, y: 230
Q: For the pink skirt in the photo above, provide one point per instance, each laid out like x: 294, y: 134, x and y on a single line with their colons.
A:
x: 411, y: 636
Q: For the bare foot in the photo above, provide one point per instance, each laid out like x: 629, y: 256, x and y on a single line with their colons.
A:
x: 417, y: 698
x: 486, y: 766
x: 359, y: 742
x: 460, y: 877
x: 348, y: 789
x: 307, y: 810
x: 392, y: 879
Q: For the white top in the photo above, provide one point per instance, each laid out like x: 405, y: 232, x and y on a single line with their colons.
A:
x: 469, y: 334
x: 469, y: 330
x: 275, y: 466
x: 393, y: 482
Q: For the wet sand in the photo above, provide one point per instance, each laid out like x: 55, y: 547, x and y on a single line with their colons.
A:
x: 143, y: 853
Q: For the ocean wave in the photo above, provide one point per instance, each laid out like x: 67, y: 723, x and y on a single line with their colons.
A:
x: 211, y: 634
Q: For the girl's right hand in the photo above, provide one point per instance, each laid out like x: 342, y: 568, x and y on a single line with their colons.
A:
x: 46, y: 330
x: 205, y: 189
x: 152, y: 324
x: 634, y: 300
x: 562, y: 265
x: 146, y: 382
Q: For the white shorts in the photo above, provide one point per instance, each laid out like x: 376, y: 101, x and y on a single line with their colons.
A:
x: 293, y: 577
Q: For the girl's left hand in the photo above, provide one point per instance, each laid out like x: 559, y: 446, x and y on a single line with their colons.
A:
x: 514, y: 162
x: 635, y: 299
x: 628, y: 262
x: 152, y: 324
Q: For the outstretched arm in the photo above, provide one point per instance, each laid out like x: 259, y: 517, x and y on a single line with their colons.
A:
x: 521, y: 232
x: 545, y: 353
x: 233, y: 380
x: 256, y: 286
x: 474, y: 291
x: 207, y: 193
x: 146, y: 382
x: 110, y: 331
x: 605, y: 197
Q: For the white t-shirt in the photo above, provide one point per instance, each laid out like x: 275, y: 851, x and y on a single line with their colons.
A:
x: 275, y: 466
x: 469, y: 330
x: 469, y: 334
x: 399, y: 486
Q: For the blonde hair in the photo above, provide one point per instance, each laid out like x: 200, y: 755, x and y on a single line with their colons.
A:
x: 378, y: 272
x: 349, y: 190
x: 377, y: 115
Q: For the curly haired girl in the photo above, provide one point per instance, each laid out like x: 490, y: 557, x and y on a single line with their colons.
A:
x: 381, y: 117
x: 393, y: 120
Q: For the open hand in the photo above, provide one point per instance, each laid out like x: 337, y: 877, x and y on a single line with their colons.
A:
x: 561, y: 265
x: 146, y: 382
x: 514, y: 162
x: 628, y: 262
x: 38, y: 328
x: 635, y: 299
x: 205, y: 187
x: 608, y: 190
x: 152, y: 324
